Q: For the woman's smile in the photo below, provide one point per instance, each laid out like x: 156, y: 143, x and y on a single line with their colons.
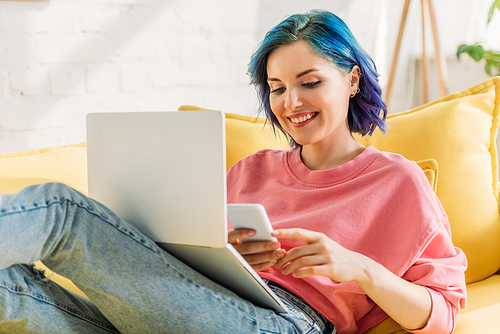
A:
x: 302, y: 118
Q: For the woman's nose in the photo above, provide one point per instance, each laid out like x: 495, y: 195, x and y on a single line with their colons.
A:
x: 292, y: 100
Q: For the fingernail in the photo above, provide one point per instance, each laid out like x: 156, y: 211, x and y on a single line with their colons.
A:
x: 251, y: 233
x: 275, y: 245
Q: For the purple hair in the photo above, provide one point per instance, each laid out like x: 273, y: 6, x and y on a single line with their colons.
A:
x: 329, y: 37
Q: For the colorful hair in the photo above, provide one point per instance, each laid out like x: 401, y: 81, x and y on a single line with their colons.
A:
x: 329, y: 37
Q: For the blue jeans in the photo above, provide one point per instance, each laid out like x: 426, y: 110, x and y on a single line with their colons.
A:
x: 133, y: 285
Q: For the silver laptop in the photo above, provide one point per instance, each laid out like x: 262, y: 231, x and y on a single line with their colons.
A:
x: 165, y: 173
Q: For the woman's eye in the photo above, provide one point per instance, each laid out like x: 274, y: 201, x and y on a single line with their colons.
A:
x: 312, y: 84
x: 278, y: 90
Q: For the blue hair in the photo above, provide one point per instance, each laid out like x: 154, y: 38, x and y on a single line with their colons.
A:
x: 329, y: 37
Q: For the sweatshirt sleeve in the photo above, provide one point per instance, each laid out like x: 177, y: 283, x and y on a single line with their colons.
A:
x: 440, y: 269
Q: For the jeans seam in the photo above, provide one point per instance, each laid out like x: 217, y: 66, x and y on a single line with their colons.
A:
x: 49, y: 301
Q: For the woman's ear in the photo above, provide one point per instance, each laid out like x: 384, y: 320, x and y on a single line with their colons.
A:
x: 355, y: 76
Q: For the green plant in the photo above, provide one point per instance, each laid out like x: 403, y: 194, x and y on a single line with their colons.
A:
x: 477, y: 51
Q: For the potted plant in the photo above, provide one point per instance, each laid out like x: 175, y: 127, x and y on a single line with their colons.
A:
x: 478, y: 52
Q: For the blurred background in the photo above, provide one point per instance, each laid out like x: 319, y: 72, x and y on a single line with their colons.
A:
x: 61, y: 59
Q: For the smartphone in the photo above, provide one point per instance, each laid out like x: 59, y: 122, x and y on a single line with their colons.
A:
x: 252, y: 216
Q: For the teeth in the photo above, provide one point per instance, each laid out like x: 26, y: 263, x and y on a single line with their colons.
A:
x: 302, y: 118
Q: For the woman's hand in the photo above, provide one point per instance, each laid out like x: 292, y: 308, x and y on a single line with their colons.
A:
x: 320, y: 256
x: 260, y: 255
x: 407, y: 303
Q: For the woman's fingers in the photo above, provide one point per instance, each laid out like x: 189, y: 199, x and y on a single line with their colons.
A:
x: 256, y: 247
x: 312, y: 247
x: 301, y: 263
x: 271, y: 256
x: 262, y: 266
x: 320, y: 255
x: 234, y: 235
x: 264, y: 260
x: 297, y: 234
x: 299, y: 257
x: 260, y: 254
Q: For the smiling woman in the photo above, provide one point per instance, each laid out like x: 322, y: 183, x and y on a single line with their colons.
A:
x: 330, y: 199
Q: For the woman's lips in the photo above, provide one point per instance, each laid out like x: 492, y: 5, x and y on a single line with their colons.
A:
x: 302, y: 119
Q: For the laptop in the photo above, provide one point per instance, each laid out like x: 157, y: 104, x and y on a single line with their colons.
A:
x: 165, y: 173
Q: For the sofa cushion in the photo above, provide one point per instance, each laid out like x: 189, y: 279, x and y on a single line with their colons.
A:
x: 480, y: 316
x: 459, y: 132
x: 483, y: 307
x: 66, y: 164
x: 430, y: 168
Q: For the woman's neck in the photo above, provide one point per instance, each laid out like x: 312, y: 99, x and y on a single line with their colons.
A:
x: 334, y: 154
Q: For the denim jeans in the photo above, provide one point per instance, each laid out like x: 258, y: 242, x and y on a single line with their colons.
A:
x: 133, y: 286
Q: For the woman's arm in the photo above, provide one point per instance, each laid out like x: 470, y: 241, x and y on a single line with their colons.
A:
x: 408, y: 304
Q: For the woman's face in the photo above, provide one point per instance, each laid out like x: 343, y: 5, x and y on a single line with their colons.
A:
x: 308, y: 95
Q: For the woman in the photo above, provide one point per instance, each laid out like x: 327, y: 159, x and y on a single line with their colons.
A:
x: 367, y: 217
x: 355, y: 225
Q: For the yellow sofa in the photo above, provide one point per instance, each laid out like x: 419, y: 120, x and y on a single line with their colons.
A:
x: 452, y: 138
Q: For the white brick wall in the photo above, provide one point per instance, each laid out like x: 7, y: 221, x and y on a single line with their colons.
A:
x: 102, y: 78
x: 63, y: 19
x: 2, y: 84
x: 60, y: 60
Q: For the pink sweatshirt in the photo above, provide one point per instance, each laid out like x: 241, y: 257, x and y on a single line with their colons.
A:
x: 380, y: 205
